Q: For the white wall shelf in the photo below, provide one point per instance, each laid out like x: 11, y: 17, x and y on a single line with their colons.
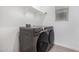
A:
x: 39, y: 10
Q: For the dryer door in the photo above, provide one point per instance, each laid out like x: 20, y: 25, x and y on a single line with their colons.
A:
x: 42, y: 42
x: 51, y: 36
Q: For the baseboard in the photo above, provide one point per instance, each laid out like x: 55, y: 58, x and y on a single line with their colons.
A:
x: 60, y: 44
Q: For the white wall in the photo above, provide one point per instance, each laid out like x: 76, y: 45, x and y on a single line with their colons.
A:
x: 66, y: 32
x: 49, y: 18
x: 11, y: 18
x: 8, y: 16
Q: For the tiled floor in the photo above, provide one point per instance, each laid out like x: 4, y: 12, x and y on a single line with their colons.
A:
x: 57, y: 48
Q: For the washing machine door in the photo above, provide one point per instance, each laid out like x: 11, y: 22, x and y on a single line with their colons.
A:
x: 42, y: 42
x: 51, y: 36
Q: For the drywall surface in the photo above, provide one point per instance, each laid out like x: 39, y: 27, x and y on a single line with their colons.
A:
x: 49, y: 19
x: 67, y: 32
x: 11, y: 18
x: 9, y: 39
x: 16, y: 16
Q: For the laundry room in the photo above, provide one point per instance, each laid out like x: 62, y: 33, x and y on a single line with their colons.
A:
x: 39, y: 28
